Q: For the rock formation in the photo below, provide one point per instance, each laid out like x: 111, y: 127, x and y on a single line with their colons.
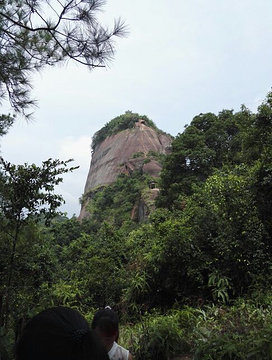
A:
x: 124, y: 152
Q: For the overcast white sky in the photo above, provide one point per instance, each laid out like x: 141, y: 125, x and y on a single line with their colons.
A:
x: 182, y: 58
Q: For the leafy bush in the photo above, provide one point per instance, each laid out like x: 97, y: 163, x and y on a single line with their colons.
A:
x: 138, y: 154
x: 160, y: 336
x: 114, y: 203
x: 240, y: 331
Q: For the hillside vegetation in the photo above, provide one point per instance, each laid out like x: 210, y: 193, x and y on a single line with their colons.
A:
x: 194, y: 279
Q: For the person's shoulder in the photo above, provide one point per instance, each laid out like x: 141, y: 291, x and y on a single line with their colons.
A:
x: 126, y: 355
x: 120, y: 353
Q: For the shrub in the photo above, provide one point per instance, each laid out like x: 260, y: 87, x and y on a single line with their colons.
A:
x: 160, y: 336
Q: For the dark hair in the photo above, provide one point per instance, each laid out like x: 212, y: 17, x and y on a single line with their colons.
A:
x: 59, y: 333
x: 107, y: 320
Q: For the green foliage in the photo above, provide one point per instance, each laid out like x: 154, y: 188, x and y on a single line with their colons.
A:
x: 209, y: 142
x: 167, y: 260
x: 32, y: 40
x: 64, y: 230
x: 34, y: 266
x: 28, y: 190
x: 92, y: 270
x: 208, y: 246
x: 114, y: 203
x: 238, y: 331
x: 241, y: 331
x: 220, y: 287
x: 215, y: 248
x: 137, y: 155
x: 160, y: 336
x: 261, y: 175
x: 5, y: 123
x: 225, y: 225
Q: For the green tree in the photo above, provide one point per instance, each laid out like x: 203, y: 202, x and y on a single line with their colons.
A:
x: 5, y: 122
x: 164, y: 265
x: 225, y: 225
x: 26, y: 193
x: 259, y: 156
x: 190, y: 161
x: 92, y: 270
x: 215, y: 248
x: 65, y: 230
x: 208, y: 143
x: 114, y: 203
x: 37, y: 33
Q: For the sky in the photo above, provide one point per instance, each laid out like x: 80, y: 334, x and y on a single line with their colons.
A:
x: 181, y: 58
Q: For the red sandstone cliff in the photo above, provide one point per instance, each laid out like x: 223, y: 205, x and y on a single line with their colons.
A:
x: 125, y: 152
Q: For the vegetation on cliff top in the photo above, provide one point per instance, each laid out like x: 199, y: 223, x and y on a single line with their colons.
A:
x: 120, y: 123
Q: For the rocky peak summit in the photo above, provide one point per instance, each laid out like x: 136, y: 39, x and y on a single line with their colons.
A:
x: 124, y: 151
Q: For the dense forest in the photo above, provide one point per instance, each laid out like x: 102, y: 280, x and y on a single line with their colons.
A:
x: 194, y: 279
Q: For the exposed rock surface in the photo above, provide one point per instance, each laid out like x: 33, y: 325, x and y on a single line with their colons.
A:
x: 123, y: 153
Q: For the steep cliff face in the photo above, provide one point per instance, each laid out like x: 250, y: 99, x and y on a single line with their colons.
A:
x: 125, y: 152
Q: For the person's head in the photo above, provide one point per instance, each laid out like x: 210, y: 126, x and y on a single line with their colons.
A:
x: 106, y: 324
x: 59, y: 333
